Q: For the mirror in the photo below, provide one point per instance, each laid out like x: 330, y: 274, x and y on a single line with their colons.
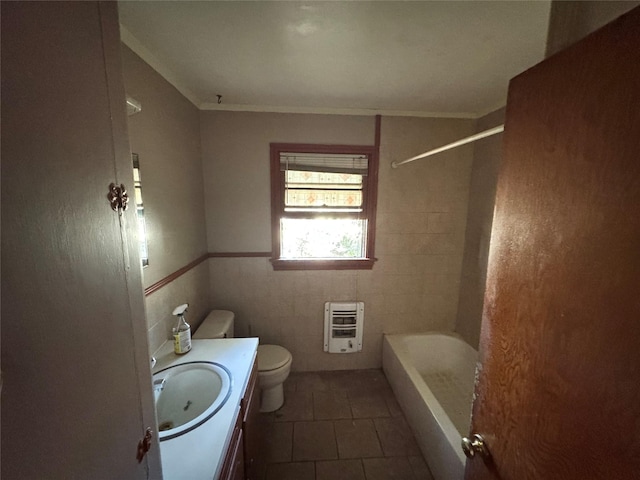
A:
x: 142, y: 230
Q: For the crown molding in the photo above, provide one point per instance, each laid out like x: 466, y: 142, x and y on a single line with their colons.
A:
x: 332, y: 111
x: 143, y: 52
x: 487, y: 111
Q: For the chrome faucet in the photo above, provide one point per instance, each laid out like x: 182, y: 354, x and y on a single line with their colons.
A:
x: 158, y: 386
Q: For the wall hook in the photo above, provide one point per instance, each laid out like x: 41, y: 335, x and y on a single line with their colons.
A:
x: 219, y: 99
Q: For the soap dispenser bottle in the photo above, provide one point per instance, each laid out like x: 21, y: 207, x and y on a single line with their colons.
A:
x: 182, y: 331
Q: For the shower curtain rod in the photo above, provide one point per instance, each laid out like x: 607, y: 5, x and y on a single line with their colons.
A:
x: 449, y: 146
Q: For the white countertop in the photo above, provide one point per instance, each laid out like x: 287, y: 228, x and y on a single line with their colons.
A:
x: 198, y: 454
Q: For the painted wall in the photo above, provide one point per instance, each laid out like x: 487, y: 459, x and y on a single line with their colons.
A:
x: 235, y: 148
x: 569, y: 21
x: 166, y: 136
x: 487, y: 154
x: 420, y: 233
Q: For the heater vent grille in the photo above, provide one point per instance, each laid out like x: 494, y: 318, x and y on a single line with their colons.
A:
x: 343, y: 326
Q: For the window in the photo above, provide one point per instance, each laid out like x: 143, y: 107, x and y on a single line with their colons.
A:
x: 323, y: 200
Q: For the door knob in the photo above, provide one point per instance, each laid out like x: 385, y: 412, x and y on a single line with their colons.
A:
x: 474, y: 445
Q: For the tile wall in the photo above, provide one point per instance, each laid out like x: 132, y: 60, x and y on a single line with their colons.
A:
x: 487, y: 154
x: 166, y: 136
x: 414, y: 285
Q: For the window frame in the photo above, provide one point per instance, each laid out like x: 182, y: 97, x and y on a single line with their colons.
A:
x: 370, y: 197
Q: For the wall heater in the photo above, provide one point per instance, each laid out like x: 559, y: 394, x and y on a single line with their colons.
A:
x: 343, y: 327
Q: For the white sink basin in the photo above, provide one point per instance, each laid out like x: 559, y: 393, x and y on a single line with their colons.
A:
x: 189, y: 394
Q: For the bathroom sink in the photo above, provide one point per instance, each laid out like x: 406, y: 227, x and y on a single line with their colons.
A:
x: 189, y: 394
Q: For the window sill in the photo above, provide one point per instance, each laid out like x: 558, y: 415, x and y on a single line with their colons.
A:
x: 347, y: 264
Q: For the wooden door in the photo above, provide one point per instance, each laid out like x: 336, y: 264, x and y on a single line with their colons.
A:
x: 558, y: 391
x: 76, y: 396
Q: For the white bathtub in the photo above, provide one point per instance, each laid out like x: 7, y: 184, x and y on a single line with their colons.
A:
x: 432, y: 376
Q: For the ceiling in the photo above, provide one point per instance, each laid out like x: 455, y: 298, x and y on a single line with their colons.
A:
x: 446, y: 58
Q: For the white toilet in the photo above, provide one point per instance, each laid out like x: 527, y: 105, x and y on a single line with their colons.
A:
x: 274, y: 361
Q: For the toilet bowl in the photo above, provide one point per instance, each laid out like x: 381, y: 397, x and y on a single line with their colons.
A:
x: 274, y: 361
x: 274, y: 365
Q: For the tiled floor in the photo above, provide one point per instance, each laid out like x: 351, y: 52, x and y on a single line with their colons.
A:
x: 343, y: 425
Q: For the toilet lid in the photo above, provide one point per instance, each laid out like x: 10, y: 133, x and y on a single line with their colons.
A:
x: 271, y: 357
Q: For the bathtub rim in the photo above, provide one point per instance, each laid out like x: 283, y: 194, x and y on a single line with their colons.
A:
x: 400, y: 350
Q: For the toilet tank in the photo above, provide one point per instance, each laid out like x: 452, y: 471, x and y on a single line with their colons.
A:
x: 218, y: 324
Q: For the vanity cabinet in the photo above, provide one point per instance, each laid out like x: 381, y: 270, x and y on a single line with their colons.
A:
x: 245, y: 457
x: 253, y: 429
x: 233, y: 465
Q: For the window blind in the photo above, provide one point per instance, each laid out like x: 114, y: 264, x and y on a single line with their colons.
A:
x: 322, y: 162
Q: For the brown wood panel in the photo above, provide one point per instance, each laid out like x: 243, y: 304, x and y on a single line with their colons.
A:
x: 229, y: 469
x: 178, y: 273
x: 558, y: 395
x: 254, y: 429
x: 250, y: 392
x: 239, y: 254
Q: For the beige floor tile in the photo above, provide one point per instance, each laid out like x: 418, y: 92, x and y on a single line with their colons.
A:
x: 343, y: 380
x: 331, y: 406
x: 341, y: 448
x: 298, y: 406
x: 393, y: 405
x: 314, y: 441
x: 376, y: 378
x: 311, y: 382
x: 280, y: 445
x: 396, y: 437
x: 289, y: 385
x: 340, y: 470
x: 357, y: 439
x: 395, y: 468
x: 291, y: 471
x: 369, y: 406
x: 368, y: 381
x: 420, y: 468
x: 268, y: 418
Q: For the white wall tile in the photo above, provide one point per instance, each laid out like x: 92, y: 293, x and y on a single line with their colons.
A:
x: 419, y: 244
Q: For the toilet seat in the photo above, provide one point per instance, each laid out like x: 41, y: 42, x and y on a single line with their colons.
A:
x: 272, y: 357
